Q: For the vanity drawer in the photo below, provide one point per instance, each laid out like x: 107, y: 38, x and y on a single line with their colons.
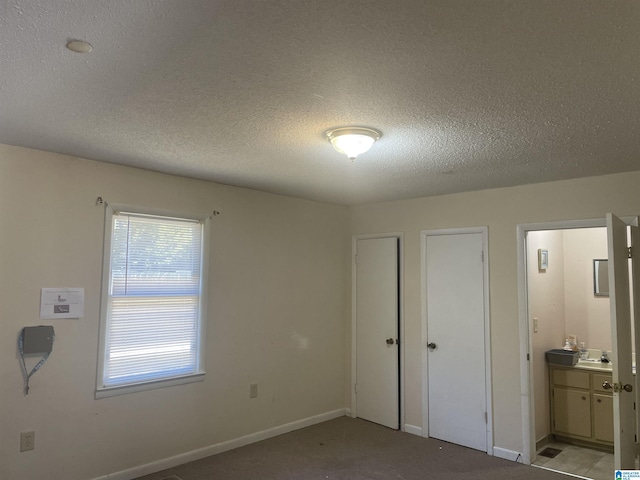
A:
x: 572, y: 378
x: 598, y: 380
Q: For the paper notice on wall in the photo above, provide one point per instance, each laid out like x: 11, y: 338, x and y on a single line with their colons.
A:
x: 62, y: 303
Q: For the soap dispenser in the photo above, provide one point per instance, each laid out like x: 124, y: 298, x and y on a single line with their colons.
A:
x: 584, y: 353
x: 605, y: 357
x: 567, y: 345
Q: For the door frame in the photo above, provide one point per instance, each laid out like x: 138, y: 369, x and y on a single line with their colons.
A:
x: 401, y: 352
x: 526, y: 340
x: 487, y: 325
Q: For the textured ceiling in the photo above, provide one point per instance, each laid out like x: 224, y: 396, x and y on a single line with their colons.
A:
x: 469, y: 94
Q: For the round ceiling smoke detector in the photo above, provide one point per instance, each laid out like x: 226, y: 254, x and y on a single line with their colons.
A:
x: 79, y: 46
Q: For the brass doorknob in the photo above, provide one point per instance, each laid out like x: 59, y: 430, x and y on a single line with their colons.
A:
x: 389, y: 341
x: 432, y: 346
x: 618, y: 387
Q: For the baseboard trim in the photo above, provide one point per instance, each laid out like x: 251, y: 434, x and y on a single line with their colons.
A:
x: 507, y: 454
x: 543, y: 441
x: 413, y: 430
x: 200, y: 453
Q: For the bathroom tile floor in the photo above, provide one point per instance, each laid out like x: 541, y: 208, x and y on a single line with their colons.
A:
x: 583, y: 462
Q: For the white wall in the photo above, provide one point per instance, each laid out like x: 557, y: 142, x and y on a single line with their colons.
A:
x: 276, y: 317
x: 502, y: 210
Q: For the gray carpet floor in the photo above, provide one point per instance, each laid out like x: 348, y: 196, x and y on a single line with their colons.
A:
x: 353, y: 449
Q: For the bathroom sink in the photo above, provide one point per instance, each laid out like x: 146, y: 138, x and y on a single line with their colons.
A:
x: 594, y: 363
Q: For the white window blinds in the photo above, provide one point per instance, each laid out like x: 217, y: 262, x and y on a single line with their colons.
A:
x: 154, y: 299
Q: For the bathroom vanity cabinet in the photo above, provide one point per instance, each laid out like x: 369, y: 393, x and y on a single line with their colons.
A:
x: 581, y: 409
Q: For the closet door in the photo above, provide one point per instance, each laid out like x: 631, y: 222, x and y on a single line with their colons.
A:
x: 456, y: 371
x: 377, y: 347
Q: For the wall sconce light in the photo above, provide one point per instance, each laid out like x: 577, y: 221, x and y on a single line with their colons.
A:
x: 352, y: 141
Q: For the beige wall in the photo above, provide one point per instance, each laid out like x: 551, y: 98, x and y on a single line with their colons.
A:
x: 546, y: 290
x: 501, y: 210
x: 276, y: 317
x: 279, y: 306
x: 588, y: 316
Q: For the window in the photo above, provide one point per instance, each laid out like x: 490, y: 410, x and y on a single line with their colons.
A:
x: 152, y: 303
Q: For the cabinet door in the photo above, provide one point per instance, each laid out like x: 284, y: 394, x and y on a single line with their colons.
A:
x: 602, y: 417
x: 572, y: 412
x: 571, y: 378
x: 599, y: 379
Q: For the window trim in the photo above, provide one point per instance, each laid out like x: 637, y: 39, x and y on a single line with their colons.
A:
x: 198, y: 376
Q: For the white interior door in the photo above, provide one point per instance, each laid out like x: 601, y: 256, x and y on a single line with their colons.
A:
x: 635, y: 264
x: 377, y: 359
x: 457, y: 405
x: 623, y: 379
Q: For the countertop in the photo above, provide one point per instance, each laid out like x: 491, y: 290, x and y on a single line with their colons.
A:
x: 594, y: 366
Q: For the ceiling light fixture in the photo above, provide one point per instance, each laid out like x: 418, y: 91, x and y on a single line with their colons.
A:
x: 352, y: 141
x: 79, y: 46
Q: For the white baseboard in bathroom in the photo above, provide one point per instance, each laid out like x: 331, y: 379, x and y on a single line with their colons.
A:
x: 507, y: 454
x: 412, y: 429
x: 200, y: 453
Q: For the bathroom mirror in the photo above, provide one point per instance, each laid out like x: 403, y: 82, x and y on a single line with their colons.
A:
x: 601, y: 277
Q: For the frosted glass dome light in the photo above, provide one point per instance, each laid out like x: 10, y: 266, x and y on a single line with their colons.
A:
x: 352, y: 141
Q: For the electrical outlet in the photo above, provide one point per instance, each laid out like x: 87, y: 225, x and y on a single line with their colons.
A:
x: 253, y: 390
x: 27, y: 441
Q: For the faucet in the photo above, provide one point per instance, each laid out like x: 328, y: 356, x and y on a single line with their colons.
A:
x: 605, y: 357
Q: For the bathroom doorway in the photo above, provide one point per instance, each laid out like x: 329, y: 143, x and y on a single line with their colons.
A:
x: 563, y: 307
x: 559, y: 303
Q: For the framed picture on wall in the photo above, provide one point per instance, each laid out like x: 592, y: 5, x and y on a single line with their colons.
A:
x: 543, y: 259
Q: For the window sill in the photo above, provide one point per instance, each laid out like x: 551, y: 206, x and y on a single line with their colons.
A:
x: 141, y: 387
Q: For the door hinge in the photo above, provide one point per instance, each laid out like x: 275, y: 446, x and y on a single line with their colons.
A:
x: 528, y: 357
x: 355, y: 388
x: 629, y: 252
x: 482, y: 256
x: 486, y: 417
x: 355, y: 259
